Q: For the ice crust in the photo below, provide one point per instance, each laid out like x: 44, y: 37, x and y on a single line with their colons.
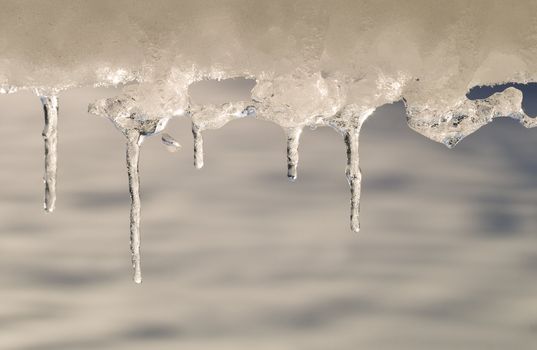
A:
x: 316, y: 63
x: 310, y: 57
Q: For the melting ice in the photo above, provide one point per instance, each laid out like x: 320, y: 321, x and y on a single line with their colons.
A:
x: 315, y: 63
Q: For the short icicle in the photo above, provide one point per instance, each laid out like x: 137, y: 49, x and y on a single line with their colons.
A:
x: 198, y: 146
x: 134, y: 139
x: 50, y: 136
x: 293, y: 140
x: 354, y: 175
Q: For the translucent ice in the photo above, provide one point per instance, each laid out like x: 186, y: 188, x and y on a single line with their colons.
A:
x: 198, y: 146
x: 316, y: 63
x: 170, y: 143
x: 50, y: 136
x: 214, y: 117
x: 135, y: 125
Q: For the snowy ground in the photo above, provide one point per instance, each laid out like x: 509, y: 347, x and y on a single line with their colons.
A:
x: 236, y: 257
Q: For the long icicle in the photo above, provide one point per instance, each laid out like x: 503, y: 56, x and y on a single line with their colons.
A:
x: 50, y: 136
x: 198, y: 146
x: 293, y: 140
x: 133, y: 155
x: 354, y: 175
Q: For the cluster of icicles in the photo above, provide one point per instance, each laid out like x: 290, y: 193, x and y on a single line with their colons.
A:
x: 447, y: 127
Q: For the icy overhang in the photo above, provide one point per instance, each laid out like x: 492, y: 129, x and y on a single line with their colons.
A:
x: 316, y: 63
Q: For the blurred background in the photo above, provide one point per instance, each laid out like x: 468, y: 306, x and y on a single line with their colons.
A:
x: 236, y: 257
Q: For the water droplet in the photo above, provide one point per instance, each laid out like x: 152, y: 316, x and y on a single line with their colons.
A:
x: 171, y: 144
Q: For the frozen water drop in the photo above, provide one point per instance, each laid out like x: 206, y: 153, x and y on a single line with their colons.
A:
x: 293, y: 140
x: 249, y: 111
x: 171, y: 144
x: 198, y: 146
x: 304, y: 68
x: 211, y: 117
x: 50, y: 136
x: 450, y: 124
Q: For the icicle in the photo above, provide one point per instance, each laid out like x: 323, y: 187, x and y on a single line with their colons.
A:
x: 348, y: 121
x: 135, y: 124
x: 293, y: 140
x: 354, y: 175
x: 170, y: 143
x: 198, y: 146
x: 134, y: 139
x: 50, y: 136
